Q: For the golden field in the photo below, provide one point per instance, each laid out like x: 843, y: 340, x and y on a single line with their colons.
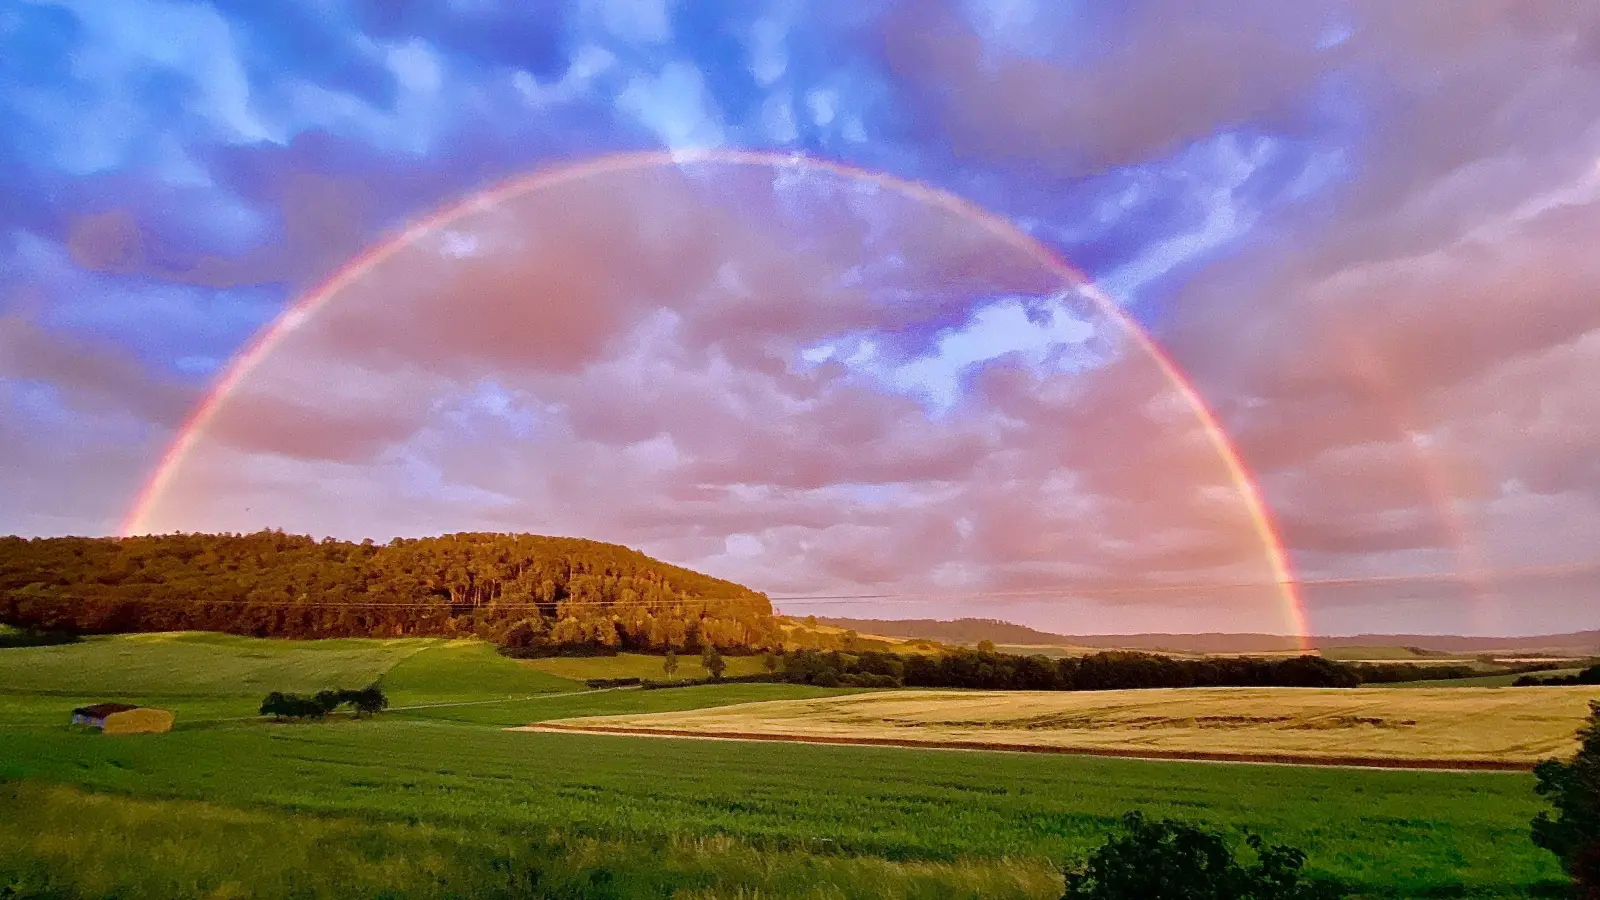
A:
x: 1509, y: 727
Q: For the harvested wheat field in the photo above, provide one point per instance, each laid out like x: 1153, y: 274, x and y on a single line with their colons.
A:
x: 1454, y: 727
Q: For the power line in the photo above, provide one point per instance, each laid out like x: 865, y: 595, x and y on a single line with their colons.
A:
x: 1172, y: 587
x: 1067, y: 592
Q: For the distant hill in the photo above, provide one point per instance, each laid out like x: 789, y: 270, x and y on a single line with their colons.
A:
x: 528, y: 591
x: 959, y: 631
x: 971, y: 631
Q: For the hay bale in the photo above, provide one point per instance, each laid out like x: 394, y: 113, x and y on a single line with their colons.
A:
x: 139, y: 721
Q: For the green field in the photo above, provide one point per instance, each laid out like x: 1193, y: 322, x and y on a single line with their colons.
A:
x: 204, y: 678
x: 639, y: 665
x: 441, y: 801
x: 1397, y: 654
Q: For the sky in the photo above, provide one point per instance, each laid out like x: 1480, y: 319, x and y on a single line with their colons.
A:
x: 977, y: 324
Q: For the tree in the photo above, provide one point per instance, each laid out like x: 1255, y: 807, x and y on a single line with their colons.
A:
x: 292, y: 706
x: 328, y: 701
x: 986, y: 646
x: 536, y: 595
x: 713, y: 662
x: 669, y: 664
x: 1574, y: 789
x: 1167, y: 860
x: 369, y: 700
x: 520, y: 636
x: 769, y: 661
x: 275, y: 705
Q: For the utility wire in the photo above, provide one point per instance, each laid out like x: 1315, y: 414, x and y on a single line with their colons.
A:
x: 1064, y: 593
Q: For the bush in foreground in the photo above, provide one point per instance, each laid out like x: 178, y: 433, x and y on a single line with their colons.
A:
x: 1574, y: 788
x: 1167, y: 860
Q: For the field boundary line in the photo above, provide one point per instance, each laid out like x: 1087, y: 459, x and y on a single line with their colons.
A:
x: 1266, y: 759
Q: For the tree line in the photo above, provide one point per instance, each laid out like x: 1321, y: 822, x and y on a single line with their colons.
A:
x: 1590, y: 675
x: 1110, y: 670
x: 548, y: 592
x: 30, y: 637
x: 363, y: 702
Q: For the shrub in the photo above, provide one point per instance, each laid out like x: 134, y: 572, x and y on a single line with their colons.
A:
x: 652, y: 684
x: 1166, y: 860
x: 869, y: 681
x: 544, y: 649
x: 34, y: 637
x: 366, y: 701
x: 1574, y: 789
x: 291, y: 706
x: 713, y: 662
x: 826, y: 678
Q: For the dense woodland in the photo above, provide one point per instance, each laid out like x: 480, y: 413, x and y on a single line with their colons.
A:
x: 558, y: 593
x: 1590, y: 675
x: 1097, y: 672
x: 1106, y: 671
x: 539, y: 596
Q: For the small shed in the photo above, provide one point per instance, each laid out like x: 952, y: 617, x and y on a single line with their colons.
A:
x: 121, y: 718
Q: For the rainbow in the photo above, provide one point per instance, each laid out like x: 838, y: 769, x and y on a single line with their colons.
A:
x: 1435, y: 474
x: 262, y: 345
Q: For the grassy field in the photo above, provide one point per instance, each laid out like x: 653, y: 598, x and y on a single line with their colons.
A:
x: 440, y: 800
x: 206, y: 677
x: 1395, y: 834
x: 63, y: 842
x: 456, y: 671
x: 1396, y: 654
x: 639, y: 665
x: 198, y: 664
x: 611, y: 702
x: 1462, y: 725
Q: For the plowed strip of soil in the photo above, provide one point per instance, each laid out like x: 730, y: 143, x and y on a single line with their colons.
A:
x: 1190, y: 756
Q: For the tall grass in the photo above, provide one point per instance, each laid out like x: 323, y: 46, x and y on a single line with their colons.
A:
x: 57, y: 842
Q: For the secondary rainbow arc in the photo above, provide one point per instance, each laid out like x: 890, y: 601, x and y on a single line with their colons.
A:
x: 262, y: 345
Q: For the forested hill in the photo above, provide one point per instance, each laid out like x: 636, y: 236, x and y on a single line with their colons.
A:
x: 971, y: 631
x: 959, y: 631
x: 565, y: 592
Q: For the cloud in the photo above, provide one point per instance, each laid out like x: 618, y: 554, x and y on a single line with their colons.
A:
x: 1144, y: 98
x: 89, y: 376
x: 639, y: 374
x: 675, y: 105
x: 1362, y: 228
x: 1404, y: 378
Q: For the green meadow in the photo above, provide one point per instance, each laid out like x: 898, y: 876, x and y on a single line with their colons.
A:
x: 640, y: 665
x: 436, y: 799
